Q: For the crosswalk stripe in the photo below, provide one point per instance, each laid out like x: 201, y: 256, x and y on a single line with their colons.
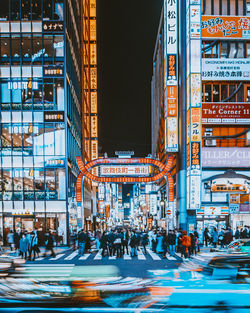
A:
x: 71, y: 256
x: 141, y: 256
x: 127, y: 257
x: 40, y: 259
x: 57, y: 257
x: 171, y: 258
x: 154, y: 255
x: 85, y: 256
x: 112, y: 257
x: 98, y: 255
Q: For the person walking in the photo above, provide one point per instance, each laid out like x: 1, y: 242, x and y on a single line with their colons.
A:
x: 118, y: 244
x: 10, y: 239
x: 215, y: 237
x: 24, y: 246
x: 144, y: 242
x: 82, y: 238
x: 125, y: 238
x: 133, y: 244
x: 171, y: 242
x: 50, y: 244
x: 154, y: 241
x: 206, y: 236
x: 104, y: 243
x: 196, y: 234
x: 34, y: 246
x: 193, y: 247
x: 186, y: 244
x: 159, y: 243
x: 237, y: 234
x: 16, y: 238
x: 111, y: 246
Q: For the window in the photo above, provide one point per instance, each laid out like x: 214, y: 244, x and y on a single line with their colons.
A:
x: 5, y: 47
x: 49, y: 140
x: 18, y: 179
x: 38, y: 139
x: 58, y: 11
x: 25, y: 9
x: 60, y: 184
x: 15, y: 10
x: 48, y: 45
x: 4, y: 12
x: 48, y: 91
x: 6, y: 135
x: 36, y: 10
x: 26, y: 46
x: 37, y: 49
x: 218, y: 92
x: 248, y: 9
x: 39, y: 179
x: 47, y: 9
x: 58, y: 46
x: 5, y: 91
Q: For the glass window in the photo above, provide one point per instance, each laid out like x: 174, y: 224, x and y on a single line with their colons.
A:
x: 38, y: 139
x: 60, y: 142
x: 18, y: 179
x: 4, y: 26
x: 16, y: 117
x: 5, y: 91
x: 59, y: 94
x: 248, y: 9
x: 6, y: 135
x: 5, y: 117
x: 17, y: 135
x: 248, y: 50
x: 60, y: 184
x: 50, y: 180
x: 7, y: 180
x: 36, y: 10
x: 39, y: 179
x: 232, y: 50
x: 240, y: 50
x: 36, y: 27
x: 27, y: 135
x: 48, y: 91
x: 15, y: 10
x: 26, y: 27
x: 232, y: 89
x: 240, y: 94
x: 48, y: 45
x: 4, y: 13
x: 26, y: 46
x: 58, y: 11
x: 28, y: 179
x: 58, y: 46
x: 216, y: 95
x: 38, y: 51
x: 208, y: 93
x: 224, y: 92
x: 16, y: 91
x: 25, y: 9
x: 5, y: 47
x: 47, y: 9
x: 49, y: 140
x: 224, y: 50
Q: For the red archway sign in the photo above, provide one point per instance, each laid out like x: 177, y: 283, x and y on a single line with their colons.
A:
x: 85, y: 171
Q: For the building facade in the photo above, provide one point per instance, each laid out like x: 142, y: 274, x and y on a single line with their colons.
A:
x: 212, y: 109
x: 41, y: 114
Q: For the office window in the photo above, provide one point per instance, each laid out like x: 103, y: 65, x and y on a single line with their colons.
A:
x: 37, y: 49
x: 58, y: 46
x: 25, y: 9
x: 48, y: 45
x: 5, y: 91
x: 5, y: 47
x: 248, y: 8
x: 58, y: 11
x: 28, y: 175
x: 26, y: 46
x: 6, y: 135
x: 15, y: 10
x: 39, y: 179
x: 36, y: 10
x: 49, y: 139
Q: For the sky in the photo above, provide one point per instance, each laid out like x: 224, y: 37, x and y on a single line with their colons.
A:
x: 127, y: 31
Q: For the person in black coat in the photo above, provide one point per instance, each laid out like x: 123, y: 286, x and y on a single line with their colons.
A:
x: 104, y: 243
x: 144, y: 242
x: 171, y: 242
x: 125, y: 238
x: 50, y: 244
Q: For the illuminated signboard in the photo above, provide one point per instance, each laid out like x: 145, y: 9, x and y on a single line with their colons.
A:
x: 93, y: 78
x: 93, y: 102
x: 225, y: 69
x: 92, y: 8
x: 171, y: 100
x: 49, y: 26
x: 124, y: 170
x: 225, y: 27
x: 195, y: 158
x: 171, y: 70
x: 53, y: 116
x: 53, y: 70
x: 226, y: 113
x: 93, y: 54
x: 92, y: 30
x: 94, y: 126
x: 195, y: 124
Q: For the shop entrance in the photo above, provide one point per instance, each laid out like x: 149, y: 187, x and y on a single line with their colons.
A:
x: 23, y: 223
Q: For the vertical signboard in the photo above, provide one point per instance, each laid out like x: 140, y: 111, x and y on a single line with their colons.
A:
x: 171, y: 74
x: 194, y: 118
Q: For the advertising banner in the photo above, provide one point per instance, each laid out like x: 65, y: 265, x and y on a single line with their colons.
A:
x: 171, y: 100
x: 226, y: 157
x: 223, y: 27
x: 196, y: 124
x: 124, y: 170
x: 225, y: 69
x: 195, y: 158
x: 172, y: 139
x: 226, y: 113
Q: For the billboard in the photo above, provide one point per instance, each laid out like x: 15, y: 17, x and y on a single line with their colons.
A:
x: 226, y: 157
x: 225, y: 69
x: 223, y: 27
x: 226, y: 113
x: 124, y: 170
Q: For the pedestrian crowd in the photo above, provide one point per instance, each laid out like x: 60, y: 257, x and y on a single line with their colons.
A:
x: 119, y: 241
x: 225, y: 236
x: 26, y: 244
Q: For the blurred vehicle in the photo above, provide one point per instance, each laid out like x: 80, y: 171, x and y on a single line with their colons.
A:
x: 245, y: 247
x: 9, y: 265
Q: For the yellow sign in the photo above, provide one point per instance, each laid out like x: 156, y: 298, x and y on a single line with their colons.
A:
x: 195, y: 124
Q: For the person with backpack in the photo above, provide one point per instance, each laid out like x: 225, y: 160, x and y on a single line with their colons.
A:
x: 171, y: 242
x: 186, y: 244
x: 82, y: 238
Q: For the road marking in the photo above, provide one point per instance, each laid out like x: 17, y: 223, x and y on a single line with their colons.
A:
x: 85, y: 256
x: 98, y: 255
x: 171, y: 258
x: 127, y: 257
x: 40, y: 259
x: 112, y: 257
x: 71, y: 256
x: 46, y: 270
x: 141, y: 256
x: 57, y: 257
x: 153, y: 255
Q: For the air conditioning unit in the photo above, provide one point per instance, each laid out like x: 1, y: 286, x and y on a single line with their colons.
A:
x: 210, y: 142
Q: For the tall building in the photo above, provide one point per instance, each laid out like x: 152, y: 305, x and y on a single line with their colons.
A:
x: 42, y: 118
x: 201, y: 109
